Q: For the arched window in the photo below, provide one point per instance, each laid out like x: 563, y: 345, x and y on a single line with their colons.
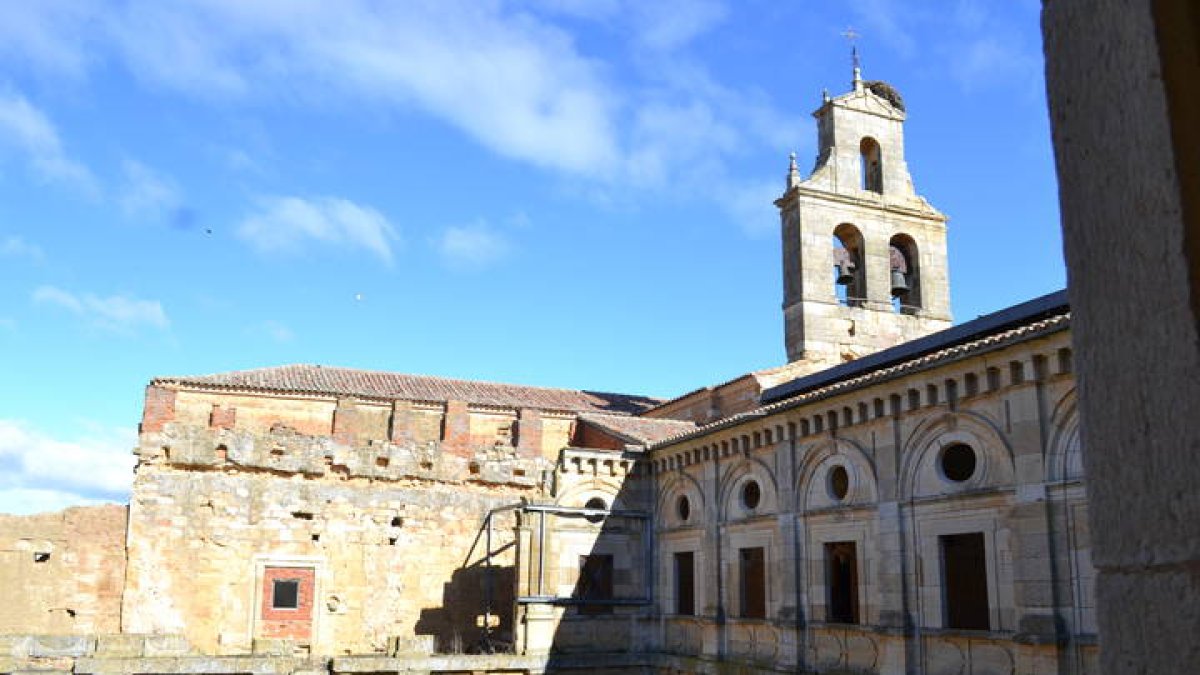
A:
x: 871, y: 165
x: 905, y: 274
x: 849, y: 275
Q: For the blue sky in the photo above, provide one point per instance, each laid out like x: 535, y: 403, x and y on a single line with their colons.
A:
x: 571, y: 193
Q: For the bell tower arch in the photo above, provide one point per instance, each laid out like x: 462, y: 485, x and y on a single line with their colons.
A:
x: 864, y: 256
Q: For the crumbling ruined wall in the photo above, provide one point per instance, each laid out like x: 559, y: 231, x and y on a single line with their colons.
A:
x: 391, y: 523
x: 62, y: 572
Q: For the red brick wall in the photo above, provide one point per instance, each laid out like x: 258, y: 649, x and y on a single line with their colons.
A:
x: 222, y: 417
x: 345, y: 422
x: 456, y: 428
x: 529, y: 432
x: 587, y: 436
x: 288, y: 623
x: 401, y: 431
x: 159, y: 409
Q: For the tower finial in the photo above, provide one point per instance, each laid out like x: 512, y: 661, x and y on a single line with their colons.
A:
x: 851, y: 36
x: 793, y: 178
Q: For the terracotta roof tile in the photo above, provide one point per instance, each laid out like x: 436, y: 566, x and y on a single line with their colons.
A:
x: 332, y: 380
x: 640, y: 430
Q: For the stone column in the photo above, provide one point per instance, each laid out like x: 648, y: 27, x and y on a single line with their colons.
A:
x: 1125, y: 112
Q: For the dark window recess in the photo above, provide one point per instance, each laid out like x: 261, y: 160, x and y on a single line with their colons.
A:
x: 595, y: 583
x: 753, y: 583
x: 964, y: 580
x: 685, y: 584
x: 285, y: 594
x: 41, y: 557
x: 683, y: 507
x: 751, y: 495
x: 958, y: 462
x: 597, y: 504
x: 841, y: 575
x: 839, y: 482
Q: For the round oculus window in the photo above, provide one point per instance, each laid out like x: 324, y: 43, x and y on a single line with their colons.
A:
x: 683, y: 508
x: 751, y: 495
x: 839, y: 482
x: 958, y: 462
x: 598, y: 504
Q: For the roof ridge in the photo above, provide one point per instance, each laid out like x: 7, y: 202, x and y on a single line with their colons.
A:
x: 997, y: 340
x: 396, y: 373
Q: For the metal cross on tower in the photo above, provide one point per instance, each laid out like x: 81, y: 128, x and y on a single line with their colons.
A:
x: 852, y: 36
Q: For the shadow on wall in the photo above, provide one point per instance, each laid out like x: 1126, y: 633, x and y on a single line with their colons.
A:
x: 595, y: 564
x: 475, y: 592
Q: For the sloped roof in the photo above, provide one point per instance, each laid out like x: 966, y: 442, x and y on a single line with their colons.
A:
x: 640, y: 430
x: 1028, y: 320
x: 333, y: 380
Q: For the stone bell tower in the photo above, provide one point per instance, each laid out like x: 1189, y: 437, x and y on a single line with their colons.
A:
x: 864, y: 256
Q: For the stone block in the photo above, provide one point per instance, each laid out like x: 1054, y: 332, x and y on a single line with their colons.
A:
x: 16, y: 646
x: 410, y: 645
x: 120, y: 645
x: 273, y: 647
x: 167, y: 645
x: 44, y: 646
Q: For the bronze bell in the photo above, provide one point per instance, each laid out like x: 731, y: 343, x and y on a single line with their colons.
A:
x: 899, y: 283
x: 843, y: 275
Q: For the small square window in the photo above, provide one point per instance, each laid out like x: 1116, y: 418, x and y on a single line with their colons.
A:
x: 285, y: 594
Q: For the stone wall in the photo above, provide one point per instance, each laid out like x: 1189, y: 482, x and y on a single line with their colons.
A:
x: 864, y: 469
x: 62, y: 572
x: 377, y: 512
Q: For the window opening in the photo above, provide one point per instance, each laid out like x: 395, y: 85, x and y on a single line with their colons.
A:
x: 595, y: 503
x: 685, y: 583
x: 839, y: 482
x: 285, y: 594
x: 905, y: 275
x: 841, y: 574
x: 849, y: 280
x: 751, y: 495
x: 595, y: 583
x: 871, y: 165
x: 753, y: 583
x: 964, y: 580
x: 958, y: 462
x: 683, y: 507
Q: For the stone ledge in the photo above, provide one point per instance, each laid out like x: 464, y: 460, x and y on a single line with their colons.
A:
x: 197, y: 665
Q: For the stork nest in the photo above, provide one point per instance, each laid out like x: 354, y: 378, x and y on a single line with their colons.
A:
x: 887, y: 92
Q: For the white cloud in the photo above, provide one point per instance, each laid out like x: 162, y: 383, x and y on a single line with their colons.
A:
x: 149, y: 195
x: 40, y: 472
x: 670, y: 25
x: 273, y: 330
x: 27, y: 129
x: 472, y: 246
x: 286, y: 224
x: 13, y: 246
x: 50, y: 34
x: 514, y: 77
x: 118, y: 313
x: 887, y: 22
x: 751, y: 205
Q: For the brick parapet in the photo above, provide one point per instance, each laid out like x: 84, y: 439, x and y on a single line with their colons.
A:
x: 529, y: 432
x: 345, y: 421
x: 159, y: 408
x: 456, y: 429
x: 222, y: 417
